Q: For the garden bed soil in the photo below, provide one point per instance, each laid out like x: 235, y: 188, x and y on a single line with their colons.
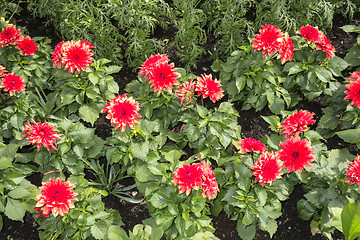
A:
x: 290, y: 226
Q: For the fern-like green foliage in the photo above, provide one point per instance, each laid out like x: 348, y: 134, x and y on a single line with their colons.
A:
x: 8, y: 9
x: 230, y: 22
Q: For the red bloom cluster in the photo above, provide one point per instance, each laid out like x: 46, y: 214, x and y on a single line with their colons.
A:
x: 122, y: 111
x: 74, y: 55
x: 251, y: 145
x: 27, y: 46
x: 353, y: 92
x: 208, y: 87
x: 267, y: 168
x: 56, y: 197
x: 313, y: 34
x: 159, y: 72
x: 353, y: 172
x: 9, y: 36
x: 296, y: 123
x: 272, y: 40
x: 195, y: 176
x: 296, y: 154
x: 41, y: 134
x: 11, y: 82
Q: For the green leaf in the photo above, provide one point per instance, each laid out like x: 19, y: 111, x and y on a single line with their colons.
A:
x: 202, y: 111
x: 116, y: 233
x: 197, y: 203
x: 305, y: 209
x: 159, y: 200
x: 245, y: 232
x: 79, y: 151
x: 15, y: 210
x: 293, y: 68
x: 5, y: 162
x: 350, y: 135
x: 1, y: 223
x: 192, y: 132
x: 9, y: 151
x: 240, y: 83
x: 18, y: 193
x: 112, y: 69
x: 277, y: 106
x: 165, y: 220
x: 113, y: 86
x: 173, y: 156
x: 140, y: 150
x: 64, y: 148
x: 94, y: 78
x: 99, y: 229
x: 350, y: 219
x: 89, y: 112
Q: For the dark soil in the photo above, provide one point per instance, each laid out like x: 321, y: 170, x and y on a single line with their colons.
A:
x: 290, y: 226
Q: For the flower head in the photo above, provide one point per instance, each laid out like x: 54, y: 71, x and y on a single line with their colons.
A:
x: 267, y: 168
x: 41, y: 134
x: 74, y: 55
x: 353, y: 93
x: 27, y: 46
x: 325, y: 45
x: 12, y: 83
x: 286, y: 49
x: 355, y: 76
x: 296, y: 154
x: 311, y: 34
x: 210, y: 186
x: 353, y: 172
x: 188, y: 177
x: 251, y: 145
x: 208, y: 87
x: 9, y: 36
x: 148, y: 66
x: 162, y: 76
x: 56, y: 197
x: 185, y: 92
x: 122, y: 111
x: 268, y: 40
x: 296, y: 123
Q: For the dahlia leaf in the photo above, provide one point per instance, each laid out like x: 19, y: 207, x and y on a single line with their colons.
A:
x: 350, y: 135
x: 94, y: 78
x: 113, y: 86
x: 350, y: 218
x: 305, y: 209
x: 15, y: 210
x: 159, y: 200
x: 89, y: 113
x: 245, y: 232
x: 99, y: 230
x: 173, y: 156
x: 140, y: 150
x: 5, y: 162
x: 19, y: 193
x: 112, y: 69
x: 1, y: 223
x: 116, y: 232
x: 197, y: 203
x: 165, y: 220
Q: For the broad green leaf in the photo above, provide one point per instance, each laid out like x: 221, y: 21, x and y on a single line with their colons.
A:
x: 140, y: 150
x: 159, y: 200
x: 94, y: 78
x: 9, y: 151
x: 113, y: 86
x: 89, y: 112
x: 197, y: 203
x: 5, y: 162
x: 116, y: 233
x: 18, y: 193
x: 305, y: 209
x: 350, y: 218
x: 99, y: 229
x: 202, y: 111
x: 79, y: 151
x: 165, y: 220
x: 173, y: 156
x: 15, y: 210
x: 192, y: 132
x: 112, y: 69
x: 245, y: 232
x: 350, y: 135
x: 240, y: 83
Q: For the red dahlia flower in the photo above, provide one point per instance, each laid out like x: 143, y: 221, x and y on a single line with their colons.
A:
x: 122, y: 111
x: 74, y: 55
x: 353, y: 93
x: 353, y: 172
x: 267, y: 168
x: 27, y: 46
x: 355, y: 76
x: 9, y: 36
x: 286, y: 49
x: 296, y: 123
x: 188, y: 177
x: 210, y: 186
x: 162, y: 76
x: 56, y: 197
x: 12, y: 83
x: 325, y: 45
x: 296, y: 154
x: 208, y: 87
x: 312, y: 34
x: 268, y: 40
x: 41, y: 134
x: 185, y: 92
x: 251, y: 145
x: 148, y: 66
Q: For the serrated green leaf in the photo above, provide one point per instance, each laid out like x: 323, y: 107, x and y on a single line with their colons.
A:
x: 94, y: 78
x: 5, y: 162
x: 15, y: 210
x: 18, y: 193
x: 140, y: 150
x: 89, y: 112
x: 350, y: 218
x: 350, y: 135
x: 112, y: 69
x: 116, y: 233
x: 159, y: 200
x: 245, y: 232
x: 99, y: 230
